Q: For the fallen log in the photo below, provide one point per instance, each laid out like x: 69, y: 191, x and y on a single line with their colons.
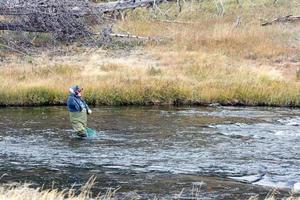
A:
x: 284, y: 19
x: 137, y: 37
x: 130, y: 36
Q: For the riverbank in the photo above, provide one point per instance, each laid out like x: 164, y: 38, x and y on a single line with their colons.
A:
x: 25, y: 192
x: 134, y: 80
x: 205, y: 58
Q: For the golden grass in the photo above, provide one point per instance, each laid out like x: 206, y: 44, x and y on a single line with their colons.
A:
x: 273, y: 196
x: 178, y: 77
x: 205, y: 30
x: 206, y: 60
x: 25, y: 192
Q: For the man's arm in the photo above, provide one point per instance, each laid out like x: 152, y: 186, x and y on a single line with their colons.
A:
x: 89, y: 111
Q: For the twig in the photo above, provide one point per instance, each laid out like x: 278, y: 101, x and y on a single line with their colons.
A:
x: 179, y: 6
x: 238, y: 22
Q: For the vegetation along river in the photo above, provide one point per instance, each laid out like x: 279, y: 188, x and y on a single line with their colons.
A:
x: 221, y: 152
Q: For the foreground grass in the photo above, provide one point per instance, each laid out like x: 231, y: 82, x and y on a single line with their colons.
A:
x: 24, y: 192
x: 273, y: 196
x: 205, y: 59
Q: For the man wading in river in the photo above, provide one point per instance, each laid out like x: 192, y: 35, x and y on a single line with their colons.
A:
x: 78, y: 111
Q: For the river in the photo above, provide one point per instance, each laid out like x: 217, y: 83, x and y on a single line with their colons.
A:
x: 221, y: 152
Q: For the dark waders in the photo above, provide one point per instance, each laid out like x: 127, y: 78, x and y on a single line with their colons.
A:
x: 79, y: 122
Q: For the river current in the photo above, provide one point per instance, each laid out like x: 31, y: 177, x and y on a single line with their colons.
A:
x: 220, y: 152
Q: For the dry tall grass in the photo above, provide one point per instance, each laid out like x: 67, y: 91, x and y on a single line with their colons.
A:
x: 179, y: 77
x: 206, y: 58
x: 273, y: 195
x: 25, y: 192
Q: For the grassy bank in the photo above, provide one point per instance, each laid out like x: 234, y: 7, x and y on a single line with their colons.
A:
x: 184, y: 82
x: 206, y: 57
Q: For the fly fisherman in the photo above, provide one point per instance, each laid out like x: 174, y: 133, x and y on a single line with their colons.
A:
x: 78, y: 110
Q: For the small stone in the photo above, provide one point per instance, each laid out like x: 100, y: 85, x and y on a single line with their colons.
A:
x: 214, y: 105
x: 296, y: 188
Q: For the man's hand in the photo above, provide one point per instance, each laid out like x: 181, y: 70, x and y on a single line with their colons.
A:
x: 89, y: 111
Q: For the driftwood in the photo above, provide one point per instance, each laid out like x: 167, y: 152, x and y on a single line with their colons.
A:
x: 121, y: 35
x: 284, y: 19
x: 108, y: 33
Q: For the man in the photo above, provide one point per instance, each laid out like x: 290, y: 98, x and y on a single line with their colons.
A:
x: 78, y: 111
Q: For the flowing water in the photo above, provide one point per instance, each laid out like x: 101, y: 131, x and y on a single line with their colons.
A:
x: 209, y: 153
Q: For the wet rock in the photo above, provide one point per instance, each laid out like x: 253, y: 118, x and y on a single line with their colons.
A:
x: 296, y: 188
x: 214, y: 105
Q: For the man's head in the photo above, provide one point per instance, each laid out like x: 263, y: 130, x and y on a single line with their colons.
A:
x: 76, y: 90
